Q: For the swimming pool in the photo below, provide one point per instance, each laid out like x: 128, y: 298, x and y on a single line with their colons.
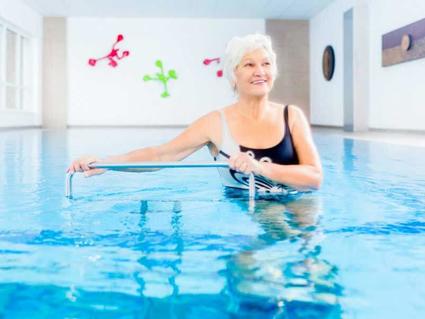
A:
x: 175, y: 244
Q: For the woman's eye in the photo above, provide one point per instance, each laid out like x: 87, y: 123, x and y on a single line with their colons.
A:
x: 266, y: 63
x: 249, y: 64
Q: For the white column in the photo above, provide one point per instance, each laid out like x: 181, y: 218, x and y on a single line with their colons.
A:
x: 54, y: 73
x: 361, y: 66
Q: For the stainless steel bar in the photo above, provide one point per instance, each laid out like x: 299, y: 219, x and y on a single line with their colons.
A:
x: 251, y: 186
x: 68, y: 185
x: 149, y: 165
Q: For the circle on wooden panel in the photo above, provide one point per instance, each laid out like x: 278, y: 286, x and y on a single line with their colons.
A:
x: 328, y: 63
x: 406, y: 42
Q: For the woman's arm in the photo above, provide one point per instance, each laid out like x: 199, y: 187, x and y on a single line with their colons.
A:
x: 198, y: 134
x: 308, y: 173
x: 305, y: 175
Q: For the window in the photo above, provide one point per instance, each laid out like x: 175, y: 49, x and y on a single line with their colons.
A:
x: 15, y: 69
x: 1, y: 67
x: 11, y: 66
x: 26, y: 74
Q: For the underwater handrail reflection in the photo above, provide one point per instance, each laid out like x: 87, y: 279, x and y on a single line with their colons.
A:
x: 301, y: 281
x: 278, y: 271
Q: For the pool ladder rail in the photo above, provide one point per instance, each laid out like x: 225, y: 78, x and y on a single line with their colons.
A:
x: 155, y: 165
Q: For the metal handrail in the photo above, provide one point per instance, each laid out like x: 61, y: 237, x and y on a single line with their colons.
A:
x: 156, y: 165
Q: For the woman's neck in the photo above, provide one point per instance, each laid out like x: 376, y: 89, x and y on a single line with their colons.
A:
x: 252, y: 107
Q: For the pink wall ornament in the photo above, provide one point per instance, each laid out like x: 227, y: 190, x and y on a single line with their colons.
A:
x: 207, y: 62
x: 113, y: 56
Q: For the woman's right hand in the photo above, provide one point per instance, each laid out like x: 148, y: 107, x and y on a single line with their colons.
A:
x: 82, y: 165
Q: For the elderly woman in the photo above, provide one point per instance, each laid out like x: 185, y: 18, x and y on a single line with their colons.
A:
x: 254, y: 134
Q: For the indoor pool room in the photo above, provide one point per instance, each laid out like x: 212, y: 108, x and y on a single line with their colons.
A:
x: 216, y: 159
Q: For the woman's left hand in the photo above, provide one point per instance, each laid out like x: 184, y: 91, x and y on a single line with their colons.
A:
x: 245, y: 163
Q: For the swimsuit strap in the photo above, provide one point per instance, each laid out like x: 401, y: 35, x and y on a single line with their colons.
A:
x: 228, y: 144
x: 285, y: 116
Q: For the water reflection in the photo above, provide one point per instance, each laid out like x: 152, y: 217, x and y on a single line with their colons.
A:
x: 169, y: 266
x: 282, y: 271
x: 277, y: 273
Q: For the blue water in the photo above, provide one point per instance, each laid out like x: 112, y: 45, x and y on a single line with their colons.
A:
x: 175, y: 244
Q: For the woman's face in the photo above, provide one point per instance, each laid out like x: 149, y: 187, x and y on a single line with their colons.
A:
x: 253, y: 74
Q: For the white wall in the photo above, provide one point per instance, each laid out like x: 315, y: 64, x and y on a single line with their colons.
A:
x: 18, y: 15
x: 102, y: 95
x: 326, y: 97
x: 396, y: 93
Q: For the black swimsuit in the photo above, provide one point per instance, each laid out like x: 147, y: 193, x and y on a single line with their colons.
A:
x: 282, y: 153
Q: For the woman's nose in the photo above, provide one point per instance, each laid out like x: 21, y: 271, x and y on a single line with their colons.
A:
x: 259, y: 70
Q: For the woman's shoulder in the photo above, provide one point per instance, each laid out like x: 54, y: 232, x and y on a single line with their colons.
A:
x: 295, y: 113
x: 212, y: 120
x: 226, y: 111
x: 291, y: 107
x: 212, y: 123
x: 213, y: 115
x: 280, y: 107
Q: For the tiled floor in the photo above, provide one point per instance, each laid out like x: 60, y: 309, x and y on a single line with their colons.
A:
x: 400, y: 138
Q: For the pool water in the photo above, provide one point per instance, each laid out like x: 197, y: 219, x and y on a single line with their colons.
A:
x: 176, y: 244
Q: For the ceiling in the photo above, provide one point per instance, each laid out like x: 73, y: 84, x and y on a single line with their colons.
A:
x: 234, y: 9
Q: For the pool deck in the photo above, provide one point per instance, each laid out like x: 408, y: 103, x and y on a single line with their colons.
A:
x: 398, y: 137
x: 408, y: 138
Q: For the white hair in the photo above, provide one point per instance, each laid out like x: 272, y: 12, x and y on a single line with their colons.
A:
x: 239, y: 46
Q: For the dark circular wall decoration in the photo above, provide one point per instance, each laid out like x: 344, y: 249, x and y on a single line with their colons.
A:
x: 328, y: 62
